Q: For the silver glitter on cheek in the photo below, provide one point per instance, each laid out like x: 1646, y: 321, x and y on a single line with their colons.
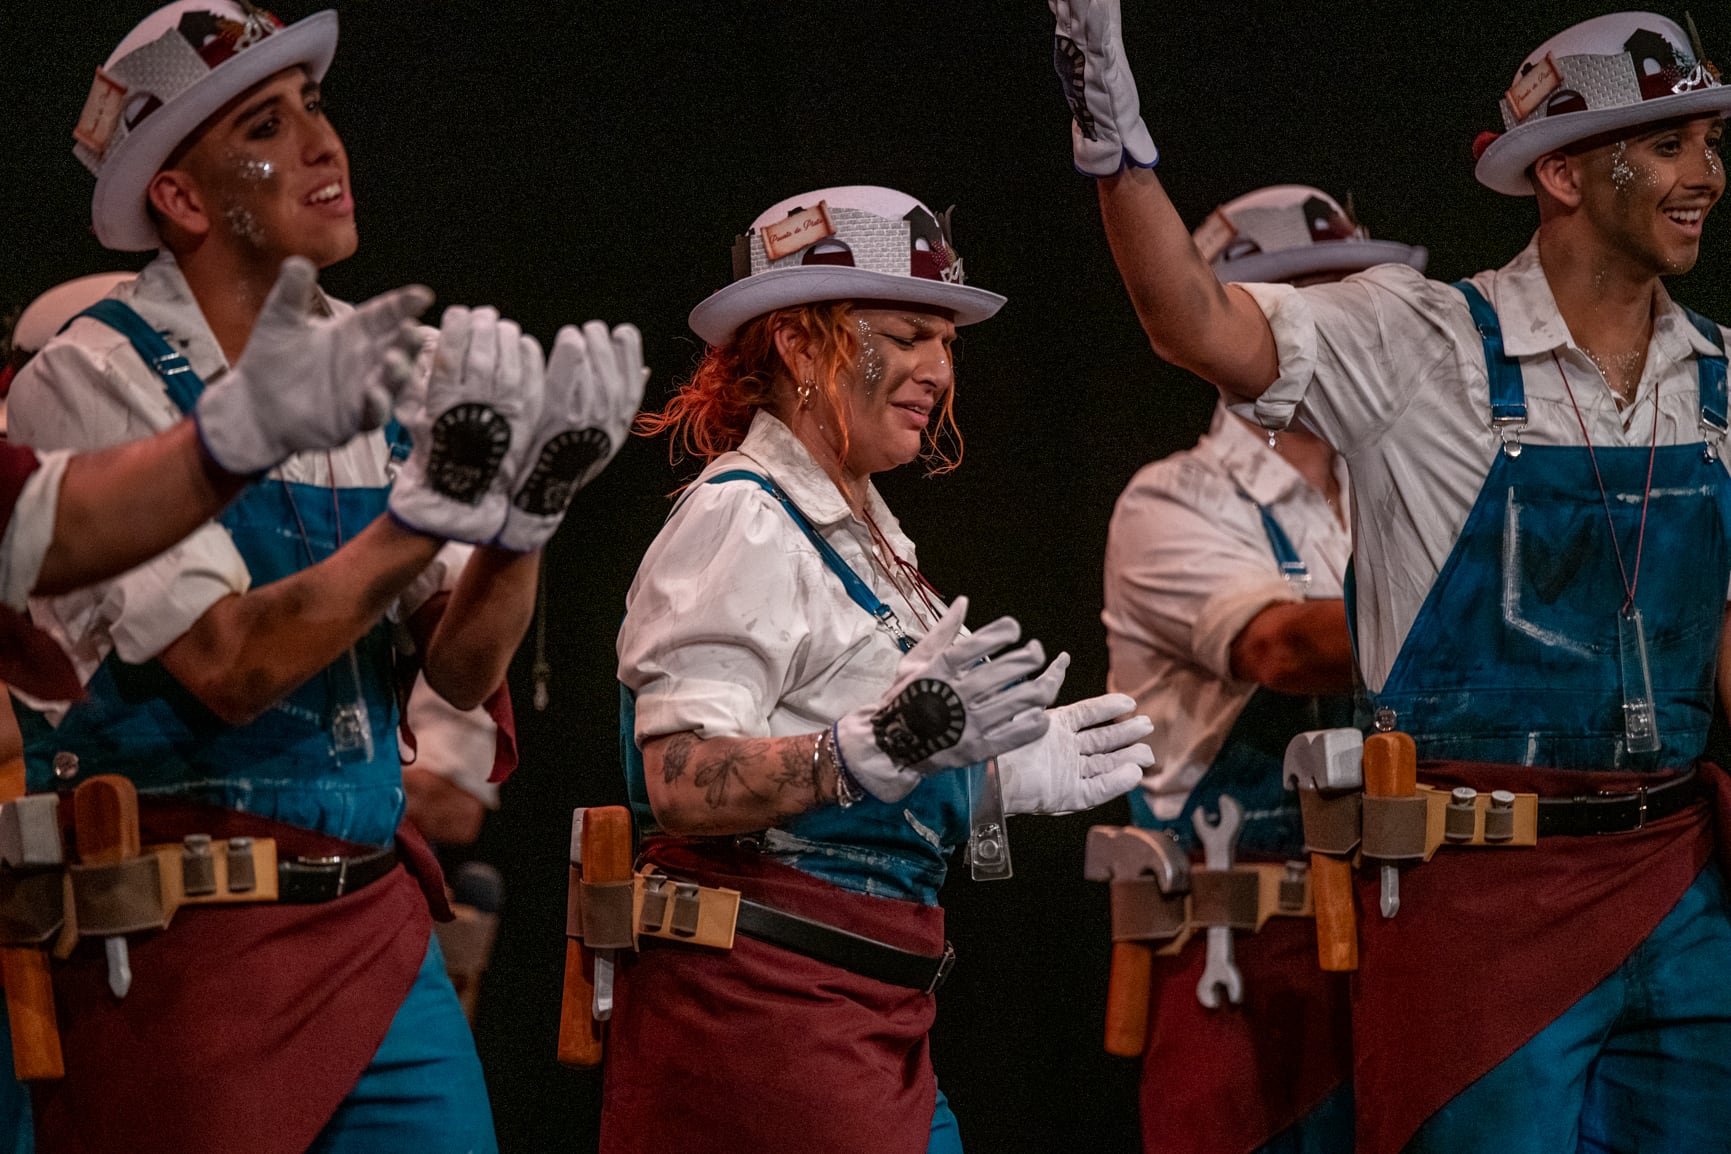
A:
x: 256, y: 171
x: 871, y: 361
x: 243, y: 225
x: 1623, y: 174
x: 1714, y: 167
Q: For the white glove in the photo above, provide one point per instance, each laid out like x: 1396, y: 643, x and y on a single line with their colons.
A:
x: 1106, y: 128
x: 483, y: 397
x: 948, y: 707
x: 1080, y: 762
x: 306, y: 382
x: 594, y: 384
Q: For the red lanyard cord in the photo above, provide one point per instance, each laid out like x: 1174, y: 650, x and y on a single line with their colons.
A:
x: 916, y: 584
x: 1652, y: 451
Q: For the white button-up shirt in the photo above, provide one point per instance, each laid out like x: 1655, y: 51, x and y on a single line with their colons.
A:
x: 735, y: 626
x: 89, y: 389
x: 1188, y: 566
x: 1388, y: 367
x: 30, y: 529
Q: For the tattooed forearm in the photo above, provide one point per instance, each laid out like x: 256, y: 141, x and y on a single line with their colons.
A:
x: 676, y: 755
x: 727, y: 765
x: 721, y: 785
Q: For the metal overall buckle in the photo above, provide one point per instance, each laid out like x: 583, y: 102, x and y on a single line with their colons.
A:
x: 1509, y: 429
x: 1712, y: 434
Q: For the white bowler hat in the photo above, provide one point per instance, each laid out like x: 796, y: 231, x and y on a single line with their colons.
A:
x: 857, y: 242
x: 181, y: 64
x: 1287, y: 231
x: 1602, y: 75
x: 48, y: 313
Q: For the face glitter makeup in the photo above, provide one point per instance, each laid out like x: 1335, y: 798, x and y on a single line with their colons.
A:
x: 243, y: 225
x: 1714, y: 168
x: 871, y: 361
x: 1623, y: 174
x: 256, y: 171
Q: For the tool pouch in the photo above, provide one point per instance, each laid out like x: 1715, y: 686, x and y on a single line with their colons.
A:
x: 615, y: 915
x: 1332, y: 823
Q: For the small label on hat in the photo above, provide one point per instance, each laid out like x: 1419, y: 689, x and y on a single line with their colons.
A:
x: 805, y: 227
x: 1214, y: 235
x: 102, y: 109
x: 1533, y: 86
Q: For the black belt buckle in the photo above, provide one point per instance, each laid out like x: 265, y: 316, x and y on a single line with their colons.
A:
x: 945, y: 965
x: 342, y: 864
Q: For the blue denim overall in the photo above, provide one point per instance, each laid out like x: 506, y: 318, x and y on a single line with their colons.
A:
x: 1514, y: 658
x: 1250, y: 761
x: 895, y: 850
x: 425, y: 1082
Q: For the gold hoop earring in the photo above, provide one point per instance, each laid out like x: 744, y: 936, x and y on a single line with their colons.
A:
x: 805, y: 392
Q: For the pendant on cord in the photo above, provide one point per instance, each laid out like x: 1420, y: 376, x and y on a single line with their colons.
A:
x: 1640, y: 720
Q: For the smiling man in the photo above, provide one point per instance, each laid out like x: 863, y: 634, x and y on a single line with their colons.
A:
x: 1541, y: 558
x: 245, y: 682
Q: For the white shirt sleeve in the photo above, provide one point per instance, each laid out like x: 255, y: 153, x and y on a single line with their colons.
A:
x: 30, y: 529
x: 79, y: 397
x: 440, y: 576
x: 1353, y: 354
x: 1188, y: 566
x: 716, y: 627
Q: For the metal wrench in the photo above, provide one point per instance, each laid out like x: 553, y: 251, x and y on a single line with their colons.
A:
x: 1219, y: 839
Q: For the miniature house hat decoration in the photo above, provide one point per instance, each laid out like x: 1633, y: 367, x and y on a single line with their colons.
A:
x: 857, y: 242
x: 1288, y: 231
x: 174, y: 70
x: 1602, y: 75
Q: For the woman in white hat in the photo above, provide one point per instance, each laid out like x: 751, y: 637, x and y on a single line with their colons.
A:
x: 809, y: 714
x: 1541, y: 553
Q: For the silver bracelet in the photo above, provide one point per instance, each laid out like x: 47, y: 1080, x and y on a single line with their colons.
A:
x: 847, y: 790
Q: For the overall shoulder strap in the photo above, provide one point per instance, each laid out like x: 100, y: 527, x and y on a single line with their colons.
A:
x: 1292, y: 566
x: 177, y: 376
x: 857, y: 590
x: 1710, y: 372
x: 1508, y: 393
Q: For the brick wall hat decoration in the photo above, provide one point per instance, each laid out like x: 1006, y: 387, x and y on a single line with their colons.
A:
x: 1289, y: 231
x: 180, y: 65
x: 1605, y: 75
x: 857, y: 242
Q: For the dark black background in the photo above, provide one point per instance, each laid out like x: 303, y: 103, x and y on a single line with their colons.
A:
x: 568, y: 161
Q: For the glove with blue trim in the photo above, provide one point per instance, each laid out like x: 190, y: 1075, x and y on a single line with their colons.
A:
x: 1106, y: 129
x: 594, y: 385
x: 953, y: 703
x: 483, y: 398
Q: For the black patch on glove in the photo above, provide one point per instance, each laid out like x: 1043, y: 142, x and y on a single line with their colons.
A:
x: 924, y: 719
x: 1068, y: 60
x: 566, y: 464
x: 469, y: 444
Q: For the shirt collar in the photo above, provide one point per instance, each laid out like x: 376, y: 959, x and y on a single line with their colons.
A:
x: 162, y: 297
x: 1244, y: 453
x: 772, y: 445
x: 1532, y: 324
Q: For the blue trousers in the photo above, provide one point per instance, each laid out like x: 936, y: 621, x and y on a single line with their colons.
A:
x: 946, y: 1135
x: 423, y: 1093
x: 17, y: 1131
x: 1641, y: 1063
x: 1331, y: 1128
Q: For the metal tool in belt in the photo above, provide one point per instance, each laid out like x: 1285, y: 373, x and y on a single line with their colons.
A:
x: 115, y: 887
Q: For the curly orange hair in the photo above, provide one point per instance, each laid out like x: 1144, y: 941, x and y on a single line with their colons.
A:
x: 711, y: 412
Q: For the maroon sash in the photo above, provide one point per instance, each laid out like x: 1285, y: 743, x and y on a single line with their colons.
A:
x: 246, y: 1026
x: 1225, y: 1081
x: 1490, y: 946
x: 756, y: 1048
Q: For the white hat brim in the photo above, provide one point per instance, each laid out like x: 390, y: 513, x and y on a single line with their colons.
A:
x: 1345, y: 256
x: 117, y: 211
x: 719, y: 316
x: 1503, y: 167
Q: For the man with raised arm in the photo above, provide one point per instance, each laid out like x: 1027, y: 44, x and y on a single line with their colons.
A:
x: 244, y: 682
x: 1539, y: 530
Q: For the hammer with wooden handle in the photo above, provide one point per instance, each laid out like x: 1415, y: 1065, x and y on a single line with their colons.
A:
x: 1121, y: 855
x: 1326, y: 763
x: 29, y: 989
